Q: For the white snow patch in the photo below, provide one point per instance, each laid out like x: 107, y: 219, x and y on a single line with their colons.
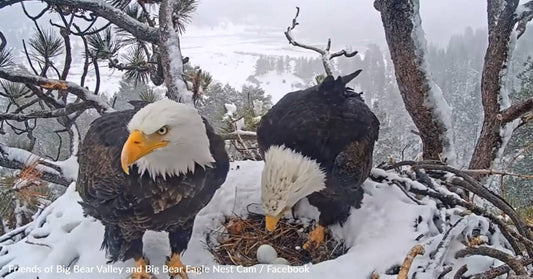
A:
x: 277, y: 85
x: 379, y: 235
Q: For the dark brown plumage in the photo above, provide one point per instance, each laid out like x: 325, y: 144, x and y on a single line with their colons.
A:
x: 331, y: 124
x: 128, y: 205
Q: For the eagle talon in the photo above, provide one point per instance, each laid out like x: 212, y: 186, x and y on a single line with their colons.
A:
x: 140, y: 270
x: 176, y: 268
x: 315, y: 237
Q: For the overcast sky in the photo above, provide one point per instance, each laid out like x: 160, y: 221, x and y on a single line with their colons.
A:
x: 342, y: 20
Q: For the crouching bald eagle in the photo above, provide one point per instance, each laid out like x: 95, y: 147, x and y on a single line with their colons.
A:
x: 317, y: 143
x: 149, y: 168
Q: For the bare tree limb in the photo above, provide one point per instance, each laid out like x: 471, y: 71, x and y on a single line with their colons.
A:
x: 497, y: 271
x: 508, y: 259
x: 516, y: 111
x: 246, y: 135
x: 68, y: 109
x: 55, y: 84
x: 462, y: 270
x: 408, y: 261
x: 324, y: 53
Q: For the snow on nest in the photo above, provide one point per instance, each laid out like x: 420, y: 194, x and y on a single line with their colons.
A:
x: 380, y: 235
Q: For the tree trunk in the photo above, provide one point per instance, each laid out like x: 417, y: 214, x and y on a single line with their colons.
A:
x: 422, y: 98
x: 501, y: 21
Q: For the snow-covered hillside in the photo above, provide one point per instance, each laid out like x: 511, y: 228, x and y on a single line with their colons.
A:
x: 64, y: 244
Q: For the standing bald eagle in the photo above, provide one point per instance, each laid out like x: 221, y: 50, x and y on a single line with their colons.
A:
x: 317, y: 143
x: 151, y: 168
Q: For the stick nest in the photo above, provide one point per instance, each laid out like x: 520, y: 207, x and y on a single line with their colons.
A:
x: 239, y: 242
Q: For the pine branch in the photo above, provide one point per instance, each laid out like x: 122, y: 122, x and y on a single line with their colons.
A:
x: 107, y: 11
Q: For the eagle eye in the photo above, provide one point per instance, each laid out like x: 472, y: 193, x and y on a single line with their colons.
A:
x: 163, y: 130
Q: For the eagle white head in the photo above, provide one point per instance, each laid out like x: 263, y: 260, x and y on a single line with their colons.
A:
x: 288, y: 176
x: 166, y: 138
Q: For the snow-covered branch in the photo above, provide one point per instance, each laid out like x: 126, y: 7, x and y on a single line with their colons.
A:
x: 422, y: 97
x: 54, y: 84
x: 516, y: 111
x: 524, y: 14
x: 171, y: 57
x: 510, y: 260
x: 467, y: 182
x: 116, y: 16
x: 324, y: 53
x: 16, y: 158
x: 107, y: 11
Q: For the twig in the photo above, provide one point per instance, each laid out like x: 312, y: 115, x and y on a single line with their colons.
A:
x: 38, y: 244
x: 502, y: 173
x: 398, y: 184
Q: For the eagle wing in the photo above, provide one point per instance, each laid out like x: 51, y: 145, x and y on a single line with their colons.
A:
x: 100, y: 183
x: 334, y: 127
x: 138, y: 200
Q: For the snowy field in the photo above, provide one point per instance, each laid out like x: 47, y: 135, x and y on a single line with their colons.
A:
x: 64, y: 244
x: 229, y: 53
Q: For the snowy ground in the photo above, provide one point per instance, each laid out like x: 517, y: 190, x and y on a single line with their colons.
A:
x: 380, y: 234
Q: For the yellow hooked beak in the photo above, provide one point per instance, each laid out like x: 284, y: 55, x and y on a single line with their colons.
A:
x: 271, y: 223
x: 137, y: 146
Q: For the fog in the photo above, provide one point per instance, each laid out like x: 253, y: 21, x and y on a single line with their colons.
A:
x: 347, y: 22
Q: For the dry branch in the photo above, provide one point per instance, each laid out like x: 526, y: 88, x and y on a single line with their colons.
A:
x: 324, y: 53
x: 497, y: 271
x: 408, y: 261
x: 516, y: 111
x: 459, y: 274
x: 67, y: 110
x: 510, y: 260
x: 502, y: 173
x: 54, y: 84
x: 243, y: 135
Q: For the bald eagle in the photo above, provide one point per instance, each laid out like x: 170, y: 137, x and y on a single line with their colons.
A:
x: 317, y: 143
x: 149, y: 168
